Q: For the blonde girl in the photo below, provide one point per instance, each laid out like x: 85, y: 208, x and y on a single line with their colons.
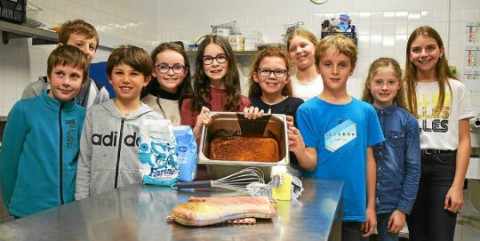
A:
x: 398, y: 157
x: 442, y: 106
x: 306, y: 82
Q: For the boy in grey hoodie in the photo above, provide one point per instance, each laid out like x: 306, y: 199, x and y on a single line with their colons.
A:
x: 108, y: 145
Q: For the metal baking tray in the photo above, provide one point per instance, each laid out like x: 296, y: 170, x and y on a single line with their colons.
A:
x: 227, y: 123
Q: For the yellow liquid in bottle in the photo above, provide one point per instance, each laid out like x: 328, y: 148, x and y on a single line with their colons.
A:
x: 284, y: 191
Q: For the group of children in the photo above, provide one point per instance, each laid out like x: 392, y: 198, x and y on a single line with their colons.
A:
x: 375, y: 146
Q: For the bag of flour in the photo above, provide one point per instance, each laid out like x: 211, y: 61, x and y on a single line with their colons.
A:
x: 187, y: 153
x: 158, y: 153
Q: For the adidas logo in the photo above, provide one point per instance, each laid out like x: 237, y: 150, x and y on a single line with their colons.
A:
x: 112, y: 139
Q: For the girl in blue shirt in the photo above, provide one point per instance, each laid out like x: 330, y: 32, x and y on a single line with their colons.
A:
x: 398, y: 158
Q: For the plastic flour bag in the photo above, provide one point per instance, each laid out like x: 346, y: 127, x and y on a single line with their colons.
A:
x: 158, y: 153
x: 187, y: 152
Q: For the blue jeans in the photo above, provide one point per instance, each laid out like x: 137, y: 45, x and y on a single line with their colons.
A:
x: 382, y: 229
x: 428, y: 219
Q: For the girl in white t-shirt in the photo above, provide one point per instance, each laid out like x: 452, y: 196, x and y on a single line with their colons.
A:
x: 306, y: 83
x: 442, y: 106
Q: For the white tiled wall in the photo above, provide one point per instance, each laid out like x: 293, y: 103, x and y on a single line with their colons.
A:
x: 382, y: 26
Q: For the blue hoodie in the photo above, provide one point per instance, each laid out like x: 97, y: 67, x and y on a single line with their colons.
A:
x: 38, y: 159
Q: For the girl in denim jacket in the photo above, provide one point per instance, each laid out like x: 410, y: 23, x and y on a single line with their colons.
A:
x: 398, y: 158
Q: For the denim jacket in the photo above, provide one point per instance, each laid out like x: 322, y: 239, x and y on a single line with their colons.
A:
x: 398, y: 160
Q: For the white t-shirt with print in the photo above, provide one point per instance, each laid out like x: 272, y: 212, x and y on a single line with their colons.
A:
x: 440, y: 130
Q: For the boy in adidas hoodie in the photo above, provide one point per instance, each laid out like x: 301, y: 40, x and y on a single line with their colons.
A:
x: 41, y: 140
x: 108, y: 145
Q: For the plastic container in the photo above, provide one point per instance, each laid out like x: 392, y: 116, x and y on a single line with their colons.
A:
x: 13, y: 11
x: 239, y: 39
x: 284, y: 190
x: 223, y: 32
x: 32, y: 11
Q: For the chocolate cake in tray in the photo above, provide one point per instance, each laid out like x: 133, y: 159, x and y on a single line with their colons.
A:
x: 228, y: 145
x: 239, y: 148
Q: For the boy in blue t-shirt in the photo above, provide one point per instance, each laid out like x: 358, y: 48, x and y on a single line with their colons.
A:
x: 338, y: 133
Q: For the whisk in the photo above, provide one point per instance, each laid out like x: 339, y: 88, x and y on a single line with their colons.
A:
x: 237, y: 181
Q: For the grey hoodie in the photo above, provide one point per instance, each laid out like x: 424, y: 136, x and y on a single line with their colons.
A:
x: 108, y: 149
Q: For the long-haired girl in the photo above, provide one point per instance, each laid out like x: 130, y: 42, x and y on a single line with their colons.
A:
x: 442, y: 106
x: 216, y: 84
x: 398, y: 157
x: 306, y: 82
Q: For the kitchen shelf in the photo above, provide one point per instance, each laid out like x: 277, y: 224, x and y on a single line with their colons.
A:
x: 39, y: 36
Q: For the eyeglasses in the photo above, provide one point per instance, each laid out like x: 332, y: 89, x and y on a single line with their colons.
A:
x: 164, y: 68
x: 221, y: 58
x: 278, y: 73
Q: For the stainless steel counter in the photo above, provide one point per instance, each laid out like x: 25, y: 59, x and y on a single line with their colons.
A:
x: 138, y: 212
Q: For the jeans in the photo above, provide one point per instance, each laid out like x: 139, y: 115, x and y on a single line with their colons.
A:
x: 382, y: 229
x: 352, y: 231
x: 428, y: 219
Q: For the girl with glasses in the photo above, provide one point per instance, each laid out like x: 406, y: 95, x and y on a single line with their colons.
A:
x: 306, y: 82
x: 171, y: 83
x: 216, y: 84
x: 269, y: 87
